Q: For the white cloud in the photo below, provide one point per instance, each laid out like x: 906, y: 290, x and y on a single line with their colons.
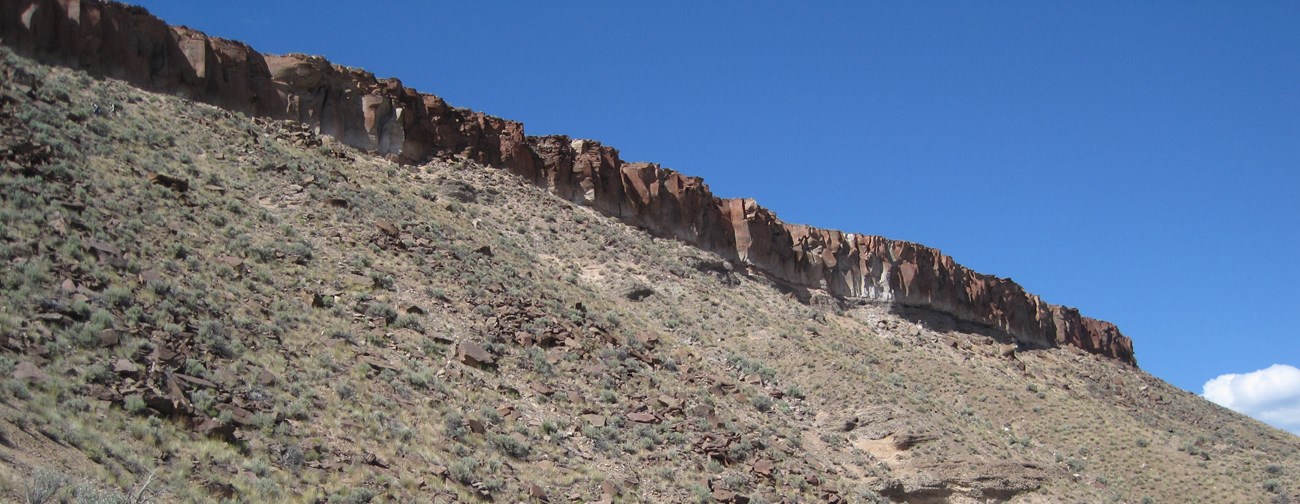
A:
x: 1271, y: 395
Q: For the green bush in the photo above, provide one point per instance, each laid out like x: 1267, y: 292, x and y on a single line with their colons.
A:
x: 453, y: 425
x: 463, y: 470
x: 43, y: 485
x: 134, y: 403
x: 509, y: 445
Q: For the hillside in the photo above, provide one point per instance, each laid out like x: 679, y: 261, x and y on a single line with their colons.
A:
x: 202, y: 306
x: 382, y: 116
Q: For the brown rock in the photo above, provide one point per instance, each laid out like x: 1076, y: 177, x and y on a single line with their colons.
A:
x: 312, y: 299
x: 51, y: 317
x: 542, y: 388
x: 194, y: 380
x: 150, y: 276
x: 221, y: 490
x: 233, y: 262
x: 168, y: 357
x: 125, y: 367
x: 174, y: 183
x: 388, y: 228
x: 108, y: 338
x: 354, y: 280
x: 537, y: 492
x: 643, y: 417
x: 472, y: 354
x: 102, y: 249
x: 212, y: 427
x: 28, y: 372
x: 594, y: 420
x: 476, y: 426
x: 240, y: 415
x: 763, y: 467
x: 374, y: 460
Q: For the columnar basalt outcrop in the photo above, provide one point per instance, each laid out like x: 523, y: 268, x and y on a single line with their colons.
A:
x: 383, y: 116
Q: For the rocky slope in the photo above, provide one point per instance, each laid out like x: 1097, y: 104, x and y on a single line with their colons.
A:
x: 204, y: 307
x: 387, y: 118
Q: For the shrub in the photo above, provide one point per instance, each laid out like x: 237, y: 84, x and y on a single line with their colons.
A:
x: 408, y: 321
x: 203, y: 401
x: 360, y: 495
x: 382, y: 280
x: 453, y: 425
x: 741, y: 451
x: 491, y: 416
x: 213, y: 334
x: 134, y: 403
x: 345, y: 391
x: 463, y: 470
x: 293, y: 457
x: 510, y: 445
x: 381, y: 311
x: 43, y: 485
x: 420, y: 377
x: 88, y: 494
x: 118, y: 296
x: 17, y: 389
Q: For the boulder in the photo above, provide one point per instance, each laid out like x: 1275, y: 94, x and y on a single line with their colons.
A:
x: 125, y: 367
x: 28, y: 372
x: 471, y: 354
x: 643, y: 417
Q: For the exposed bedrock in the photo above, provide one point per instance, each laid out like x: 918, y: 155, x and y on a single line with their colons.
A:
x: 383, y: 116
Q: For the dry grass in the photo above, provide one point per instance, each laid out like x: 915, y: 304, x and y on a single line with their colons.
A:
x: 277, y: 269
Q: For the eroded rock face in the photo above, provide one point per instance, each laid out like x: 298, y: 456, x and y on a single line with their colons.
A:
x: 383, y: 116
x: 127, y: 43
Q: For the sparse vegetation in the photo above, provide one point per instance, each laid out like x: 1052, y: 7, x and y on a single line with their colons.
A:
x: 257, y: 338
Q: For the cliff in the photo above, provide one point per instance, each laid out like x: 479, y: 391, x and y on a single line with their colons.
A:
x: 385, y: 117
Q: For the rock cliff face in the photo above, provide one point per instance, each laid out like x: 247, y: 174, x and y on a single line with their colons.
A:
x: 383, y: 116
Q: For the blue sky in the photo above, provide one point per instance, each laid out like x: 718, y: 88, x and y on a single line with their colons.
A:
x: 1137, y: 160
